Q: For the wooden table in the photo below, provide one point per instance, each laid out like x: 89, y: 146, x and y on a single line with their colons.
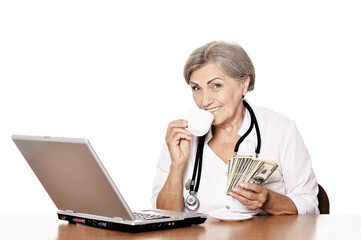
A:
x: 47, y: 226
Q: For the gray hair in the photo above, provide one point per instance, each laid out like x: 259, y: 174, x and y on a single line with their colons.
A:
x: 231, y: 58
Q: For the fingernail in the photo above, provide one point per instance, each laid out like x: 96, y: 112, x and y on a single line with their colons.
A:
x: 241, y: 185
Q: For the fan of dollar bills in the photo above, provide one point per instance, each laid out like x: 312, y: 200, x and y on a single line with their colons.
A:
x: 248, y: 169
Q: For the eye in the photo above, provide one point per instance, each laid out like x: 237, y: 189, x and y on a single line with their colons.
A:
x: 217, y: 85
x: 195, y: 88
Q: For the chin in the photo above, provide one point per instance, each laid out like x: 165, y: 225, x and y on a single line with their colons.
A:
x: 216, y: 122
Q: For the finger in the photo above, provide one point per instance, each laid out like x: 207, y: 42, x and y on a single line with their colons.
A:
x: 259, y: 197
x: 176, y: 138
x: 250, y: 204
x: 182, y: 136
x: 180, y: 123
x: 244, y: 193
x: 172, y: 135
x: 251, y: 187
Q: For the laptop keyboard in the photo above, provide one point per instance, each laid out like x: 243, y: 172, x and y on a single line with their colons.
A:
x: 147, y: 216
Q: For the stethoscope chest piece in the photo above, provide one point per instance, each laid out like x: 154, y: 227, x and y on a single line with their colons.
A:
x: 191, y: 202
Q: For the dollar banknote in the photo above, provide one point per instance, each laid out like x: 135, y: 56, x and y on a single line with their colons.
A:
x: 248, y: 169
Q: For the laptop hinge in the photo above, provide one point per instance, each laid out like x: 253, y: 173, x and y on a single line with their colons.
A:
x: 69, y: 211
x: 118, y: 218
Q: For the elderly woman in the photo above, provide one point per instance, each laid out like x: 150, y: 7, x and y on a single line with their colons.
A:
x: 220, y: 74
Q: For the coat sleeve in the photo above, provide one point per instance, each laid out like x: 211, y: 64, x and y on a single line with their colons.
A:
x: 300, y: 180
x: 162, y: 172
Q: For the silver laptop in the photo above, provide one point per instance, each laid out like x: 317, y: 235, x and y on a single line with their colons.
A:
x: 82, y: 190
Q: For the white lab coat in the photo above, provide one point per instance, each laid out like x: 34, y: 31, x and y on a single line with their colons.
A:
x: 281, y: 142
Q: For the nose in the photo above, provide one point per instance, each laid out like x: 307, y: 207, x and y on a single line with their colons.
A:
x: 207, y: 99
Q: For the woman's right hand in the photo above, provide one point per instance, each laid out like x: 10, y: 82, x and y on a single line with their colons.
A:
x: 178, y: 141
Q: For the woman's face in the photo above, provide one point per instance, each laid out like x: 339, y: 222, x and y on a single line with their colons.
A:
x: 218, y: 93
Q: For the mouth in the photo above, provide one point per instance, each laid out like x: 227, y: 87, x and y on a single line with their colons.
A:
x: 213, y: 110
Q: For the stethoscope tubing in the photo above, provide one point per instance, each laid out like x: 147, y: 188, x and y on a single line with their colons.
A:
x: 197, y: 169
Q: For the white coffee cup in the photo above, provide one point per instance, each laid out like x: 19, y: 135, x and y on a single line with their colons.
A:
x: 199, y: 121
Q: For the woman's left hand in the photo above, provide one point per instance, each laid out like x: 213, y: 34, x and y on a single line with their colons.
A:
x: 250, y: 195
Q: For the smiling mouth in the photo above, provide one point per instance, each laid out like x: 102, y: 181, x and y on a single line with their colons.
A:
x: 215, y: 109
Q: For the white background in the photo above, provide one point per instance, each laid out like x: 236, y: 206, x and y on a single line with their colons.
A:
x: 111, y: 71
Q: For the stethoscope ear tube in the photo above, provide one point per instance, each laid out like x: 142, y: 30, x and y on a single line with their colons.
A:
x: 255, y: 123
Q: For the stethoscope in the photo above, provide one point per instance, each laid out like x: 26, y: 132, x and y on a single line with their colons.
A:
x: 192, y: 202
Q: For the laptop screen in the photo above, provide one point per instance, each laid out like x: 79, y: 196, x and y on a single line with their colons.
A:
x: 73, y: 175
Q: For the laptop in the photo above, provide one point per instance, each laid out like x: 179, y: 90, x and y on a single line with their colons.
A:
x: 82, y: 190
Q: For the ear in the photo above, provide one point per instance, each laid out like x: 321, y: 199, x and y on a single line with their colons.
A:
x: 245, y: 84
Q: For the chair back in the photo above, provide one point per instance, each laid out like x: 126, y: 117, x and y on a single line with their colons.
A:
x: 323, y: 201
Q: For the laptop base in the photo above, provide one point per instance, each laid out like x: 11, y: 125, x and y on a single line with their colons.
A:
x: 130, y: 227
